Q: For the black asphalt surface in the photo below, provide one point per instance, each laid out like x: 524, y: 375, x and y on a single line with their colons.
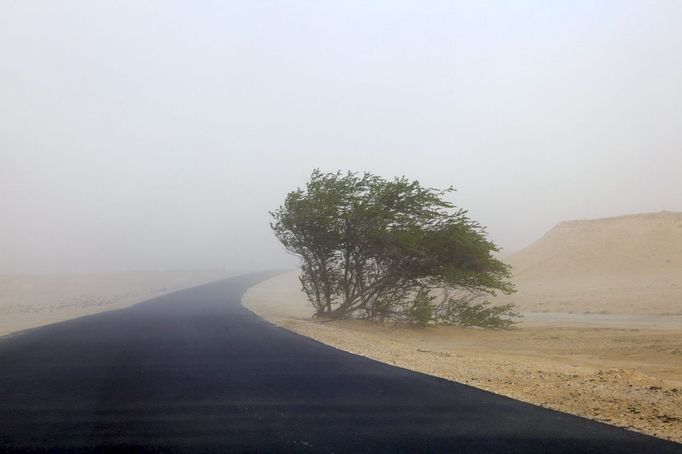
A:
x: 194, y: 371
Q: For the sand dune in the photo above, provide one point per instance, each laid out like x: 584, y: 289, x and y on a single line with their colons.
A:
x: 622, y: 265
x: 626, y: 245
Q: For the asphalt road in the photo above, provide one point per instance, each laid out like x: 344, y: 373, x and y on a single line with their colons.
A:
x: 194, y: 371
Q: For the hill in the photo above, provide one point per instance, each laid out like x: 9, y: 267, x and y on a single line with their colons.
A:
x: 628, y: 264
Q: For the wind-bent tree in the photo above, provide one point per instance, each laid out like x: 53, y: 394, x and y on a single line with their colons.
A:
x: 391, y: 250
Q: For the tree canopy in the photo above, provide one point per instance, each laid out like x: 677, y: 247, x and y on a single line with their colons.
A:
x: 391, y: 250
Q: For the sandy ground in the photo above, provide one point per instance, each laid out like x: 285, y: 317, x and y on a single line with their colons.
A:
x: 625, y: 369
x: 32, y: 301
x: 623, y: 294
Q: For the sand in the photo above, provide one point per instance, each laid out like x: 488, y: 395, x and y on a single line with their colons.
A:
x: 644, y: 245
x: 623, y: 265
x: 32, y: 301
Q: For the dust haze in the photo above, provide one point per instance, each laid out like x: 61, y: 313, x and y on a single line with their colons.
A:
x: 143, y: 144
x: 157, y: 135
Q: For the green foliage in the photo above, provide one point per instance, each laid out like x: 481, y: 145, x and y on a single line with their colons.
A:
x: 420, y: 310
x: 373, y: 248
x: 482, y: 314
x: 466, y: 311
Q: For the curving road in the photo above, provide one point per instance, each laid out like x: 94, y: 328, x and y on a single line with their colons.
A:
x: 194, y: 371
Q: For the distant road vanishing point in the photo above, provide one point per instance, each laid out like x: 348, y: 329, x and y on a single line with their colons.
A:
x: 194, y: 371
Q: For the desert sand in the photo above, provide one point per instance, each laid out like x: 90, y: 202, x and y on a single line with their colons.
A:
x: 623, y: 265
x: 32, y: 301
x: 601, y: 336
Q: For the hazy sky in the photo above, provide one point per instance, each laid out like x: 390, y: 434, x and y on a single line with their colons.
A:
x: 158, y: 134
